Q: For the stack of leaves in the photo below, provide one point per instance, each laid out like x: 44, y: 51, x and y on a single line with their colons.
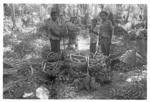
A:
x: 121, y: 66
x: 129, y: 57
x: 125, y: 61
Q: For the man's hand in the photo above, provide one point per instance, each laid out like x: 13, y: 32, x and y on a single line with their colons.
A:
x: 95, y: 32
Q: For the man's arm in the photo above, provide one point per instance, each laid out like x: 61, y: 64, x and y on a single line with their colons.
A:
x: 100, y: 34
x: 96, y: 33
x: 100, y: 37
x: 55, y: 30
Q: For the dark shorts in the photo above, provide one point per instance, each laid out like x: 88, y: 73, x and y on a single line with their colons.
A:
x: 93, y: 47
x: 55, y: 45
x: 105, y: 45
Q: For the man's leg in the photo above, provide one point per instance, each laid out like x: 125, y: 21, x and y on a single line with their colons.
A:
x: 107, y: 46
x: 58, y: 46
x: 91, y: 47
x: 94, y: 44
x: 103, y: 46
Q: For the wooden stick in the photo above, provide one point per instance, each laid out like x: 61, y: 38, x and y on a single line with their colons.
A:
x: 32, y: 71
x: 44, y: 67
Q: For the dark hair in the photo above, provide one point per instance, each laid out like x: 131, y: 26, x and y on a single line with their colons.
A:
x: 104, y: 13
x: 54, y: 11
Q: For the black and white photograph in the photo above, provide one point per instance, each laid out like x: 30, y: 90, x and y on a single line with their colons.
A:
x: 75, y: 51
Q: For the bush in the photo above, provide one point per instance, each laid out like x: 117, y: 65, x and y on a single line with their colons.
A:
x: 137, y: 90
x: 22, y: 49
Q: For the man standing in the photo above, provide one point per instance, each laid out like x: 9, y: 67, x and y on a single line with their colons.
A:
x: 73, y: 29
x: 93, y: 36
x: 105, y: 33
x: 54, y: 30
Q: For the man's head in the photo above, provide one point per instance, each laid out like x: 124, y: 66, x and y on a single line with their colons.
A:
x: 103, y: 14
x: 54, y: 14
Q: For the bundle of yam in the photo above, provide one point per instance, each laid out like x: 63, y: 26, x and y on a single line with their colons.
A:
x: 78, y: 63
x: 100, y: 69
x: 52, y: 62
x: 73, y: 66
x: 50, y: 56
x: 64, y: 66
x: 52, y: 68
x: 98, y: 58
x: 101, y: 74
